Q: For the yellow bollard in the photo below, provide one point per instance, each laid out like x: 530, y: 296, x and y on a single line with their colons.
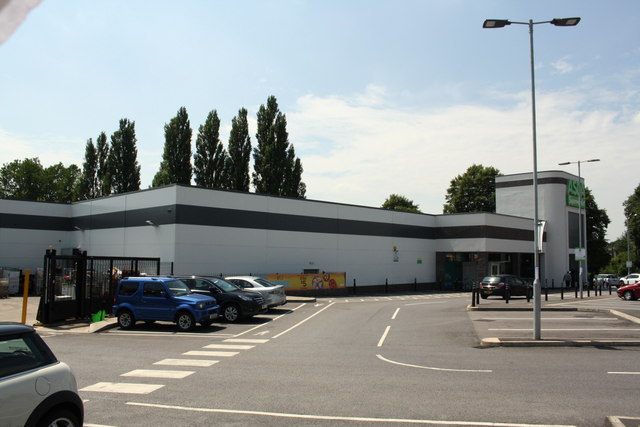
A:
x: 25, y: 296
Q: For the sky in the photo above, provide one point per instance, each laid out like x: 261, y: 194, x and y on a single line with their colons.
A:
x: 381, y: 97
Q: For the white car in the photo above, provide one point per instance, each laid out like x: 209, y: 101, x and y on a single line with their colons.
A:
x: 630, y: 279
x: 36, y: 388
x: 273, y: 293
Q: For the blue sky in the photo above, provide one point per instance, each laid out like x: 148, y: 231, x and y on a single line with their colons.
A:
x: 380, y: 96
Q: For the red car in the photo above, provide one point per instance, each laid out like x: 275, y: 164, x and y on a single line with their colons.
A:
x: 629, y: 292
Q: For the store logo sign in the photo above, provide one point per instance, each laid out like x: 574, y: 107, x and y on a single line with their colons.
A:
x: 575, y: 194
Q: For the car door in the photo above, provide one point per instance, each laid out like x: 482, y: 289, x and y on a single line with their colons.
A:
x: 156, y: 303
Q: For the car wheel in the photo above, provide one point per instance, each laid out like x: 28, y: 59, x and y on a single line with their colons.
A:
x: 231, y: 313
x: 185, y: 321
x: 126, y: 319
x: 59, y: 418
x: 628, y: 295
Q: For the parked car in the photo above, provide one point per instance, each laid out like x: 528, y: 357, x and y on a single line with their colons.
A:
x: 629, y: 292
x: 234, y: 302
x: 273, y: 293
x: 607, y: 280
x: 162, y: 298
x: 496, y: 285
x: 36, y: 388
x: 630, y: 279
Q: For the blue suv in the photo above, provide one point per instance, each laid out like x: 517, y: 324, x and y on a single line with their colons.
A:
x: 162, y: 298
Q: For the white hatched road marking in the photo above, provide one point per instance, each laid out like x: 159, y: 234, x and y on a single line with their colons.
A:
x: 186, y: 362
x: 210, y: 353
x: 157, y: 373
x: 247, y: 340
x: 123, y: 388
x: 230, y: 346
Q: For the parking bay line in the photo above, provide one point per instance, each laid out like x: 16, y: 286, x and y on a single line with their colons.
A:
x: 105, y: 387
x: 186, y: 362
x: 624, y: 373
x: 340, y: 418
x: 157, y: 373
x: 567, y: 330
x: 211, y: 353
x: 230, y: 346
x: 247, y: 340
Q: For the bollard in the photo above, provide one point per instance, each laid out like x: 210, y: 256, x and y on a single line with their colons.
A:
x: 477, y: 295
x: 546, y: 294
x: 473, y: 297
x: 415, y: 284
x: 354, y: 286
x: 561, y: 292
x: 529, y: 295
x: 553, y: 283
x: 609, y: 290
x: 386, y: 286
x: 588, y: 291
x: 506, y: 294
x: 576, y: 291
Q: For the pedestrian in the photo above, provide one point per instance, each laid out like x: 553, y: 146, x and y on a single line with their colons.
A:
x: 567, y: 279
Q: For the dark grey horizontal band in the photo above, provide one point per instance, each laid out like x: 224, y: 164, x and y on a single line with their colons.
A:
x: 529, y: 182
x: 219, y: 217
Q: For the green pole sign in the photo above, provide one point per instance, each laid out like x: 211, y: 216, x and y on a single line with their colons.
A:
x: 575, y: 194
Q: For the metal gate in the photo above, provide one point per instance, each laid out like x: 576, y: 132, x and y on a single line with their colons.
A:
x: 77, y: 285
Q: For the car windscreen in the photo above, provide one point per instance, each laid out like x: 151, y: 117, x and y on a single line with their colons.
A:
x: 492, y: 279
x: 178, y: 288
x: 265, y: 283
x: 224, y: 285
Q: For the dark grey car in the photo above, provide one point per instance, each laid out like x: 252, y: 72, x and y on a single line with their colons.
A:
x: 499, y: 284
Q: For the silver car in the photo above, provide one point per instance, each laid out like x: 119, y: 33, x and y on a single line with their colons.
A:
x: 273, y: 293
x: 36, y: 388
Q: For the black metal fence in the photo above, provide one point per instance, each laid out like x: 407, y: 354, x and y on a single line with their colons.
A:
x: 77, y: 285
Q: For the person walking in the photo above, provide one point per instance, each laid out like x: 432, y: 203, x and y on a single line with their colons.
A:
x: 567, y: 279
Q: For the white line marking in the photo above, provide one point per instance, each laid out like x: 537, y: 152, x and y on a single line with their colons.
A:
x: 246, y: 340
x: 427, y: 303
x: 624, y: 373
x: 303, y: 321
x: 157, y: 373
x: 343, y: 418
x: 172, y: 334
x: 230, y: 346
x: 274, y: 319
x: 95, y: 425
x: 599, y: 319
x: 123, y: 388
x: 211, y: 353
x: 432, y: 368
x: 384, y: 336
x: 186, y: 362
x: 395, y: 314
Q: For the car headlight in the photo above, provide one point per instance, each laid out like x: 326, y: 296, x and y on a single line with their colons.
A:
x: 201, y: 305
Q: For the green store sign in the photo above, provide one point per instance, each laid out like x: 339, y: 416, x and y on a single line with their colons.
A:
x: 575, y: 194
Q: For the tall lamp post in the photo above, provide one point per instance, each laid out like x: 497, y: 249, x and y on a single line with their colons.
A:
x: 583, y: 248
x: 562, y: 22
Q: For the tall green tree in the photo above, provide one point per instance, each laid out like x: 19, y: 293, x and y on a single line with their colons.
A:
x: 239, y: 152
x: 210, y: 158
x: 88, y: 185
x: 473, y: 191
x: 103, y: 173
x: 175, y: 167
x: 59, y: 183
x: 22, y: 180
x: 632, y: 216
x: 397, y: 202
x: 276, y: 169
x: 597, y: 223
x: 123, y: 159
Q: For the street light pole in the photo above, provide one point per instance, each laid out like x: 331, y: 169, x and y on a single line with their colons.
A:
x: 581, y: 190
x: 563, y: 22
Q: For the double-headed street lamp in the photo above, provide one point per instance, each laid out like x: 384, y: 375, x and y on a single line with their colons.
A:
x: 562, y: 22
x: 581, y: 248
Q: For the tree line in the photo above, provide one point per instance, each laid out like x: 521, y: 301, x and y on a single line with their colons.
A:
x: 111, y: 167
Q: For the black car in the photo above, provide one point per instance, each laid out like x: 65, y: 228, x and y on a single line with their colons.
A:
x: 234, y: 302
x: 497, y: 285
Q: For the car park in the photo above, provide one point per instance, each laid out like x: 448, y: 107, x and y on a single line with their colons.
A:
x: 168, y: 299
x: 629, y: 292
x: 235, y: 303
x: 630, y: 279
x: 607, y: 280
x: 36, y: 388
x: 499, y: 285
x: 273, y: 293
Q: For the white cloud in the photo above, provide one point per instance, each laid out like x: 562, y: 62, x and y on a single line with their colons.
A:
x: 562, y: 66
x: 356, y: 151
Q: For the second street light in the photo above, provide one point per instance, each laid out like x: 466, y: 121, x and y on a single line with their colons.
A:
x: 581, y: 254
x: 560, y: 22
